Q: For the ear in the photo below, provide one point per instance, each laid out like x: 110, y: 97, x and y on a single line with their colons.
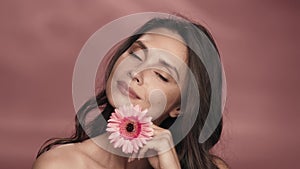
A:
x: 175, y: 112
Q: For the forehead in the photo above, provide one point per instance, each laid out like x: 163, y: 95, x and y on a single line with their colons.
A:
x: 167, y: 40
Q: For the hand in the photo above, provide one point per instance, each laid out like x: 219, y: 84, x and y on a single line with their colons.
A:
x: 162, y: 144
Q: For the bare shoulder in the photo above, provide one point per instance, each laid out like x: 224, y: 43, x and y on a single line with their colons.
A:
x: 64, y: 156
x: 220, y: 163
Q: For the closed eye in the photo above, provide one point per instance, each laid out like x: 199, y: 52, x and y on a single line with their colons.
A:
x: 135, y: 56
x: 161, y: 77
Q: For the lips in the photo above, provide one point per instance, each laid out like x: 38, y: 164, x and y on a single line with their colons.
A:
x: 127, y: 91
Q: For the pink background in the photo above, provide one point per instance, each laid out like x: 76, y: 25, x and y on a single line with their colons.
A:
x: 40, y: 41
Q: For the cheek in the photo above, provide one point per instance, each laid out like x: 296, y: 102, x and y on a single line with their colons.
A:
x: 158, y: 103
x: 110, y: 81
x: 173, y: 98
x: 163, y: 100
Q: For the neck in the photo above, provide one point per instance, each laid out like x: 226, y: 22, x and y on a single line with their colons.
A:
x: 103, y: 141
x: 103, y: 152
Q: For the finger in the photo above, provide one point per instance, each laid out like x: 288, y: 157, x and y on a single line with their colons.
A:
x: 132, y: 157
x: 142, y: 151
x: 157, y: 130
x: 155, y: 126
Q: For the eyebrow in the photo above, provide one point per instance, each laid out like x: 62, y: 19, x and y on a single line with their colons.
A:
x: 141, y: 44
x: 161, y: 61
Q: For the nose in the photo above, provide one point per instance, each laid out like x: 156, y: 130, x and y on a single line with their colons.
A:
x: 136, y: 77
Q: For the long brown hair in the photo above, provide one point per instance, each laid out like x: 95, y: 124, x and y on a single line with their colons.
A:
x: 192, y: 154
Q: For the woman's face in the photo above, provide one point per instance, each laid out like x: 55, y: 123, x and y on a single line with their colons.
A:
x: 150, y: 74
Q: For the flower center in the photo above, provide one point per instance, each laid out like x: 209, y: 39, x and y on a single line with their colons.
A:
x: 129, y: 127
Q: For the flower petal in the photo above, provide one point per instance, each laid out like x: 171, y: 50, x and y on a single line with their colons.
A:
x: 113, y: 135
x: 130, y: 128
x: 119, y: 142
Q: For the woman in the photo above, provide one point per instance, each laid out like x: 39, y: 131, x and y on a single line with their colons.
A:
x: 150, y: 65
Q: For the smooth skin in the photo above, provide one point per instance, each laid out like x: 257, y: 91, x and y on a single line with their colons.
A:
x: 89, y: 155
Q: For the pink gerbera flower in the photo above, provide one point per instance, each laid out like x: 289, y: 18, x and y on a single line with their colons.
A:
x: 130, y: 128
